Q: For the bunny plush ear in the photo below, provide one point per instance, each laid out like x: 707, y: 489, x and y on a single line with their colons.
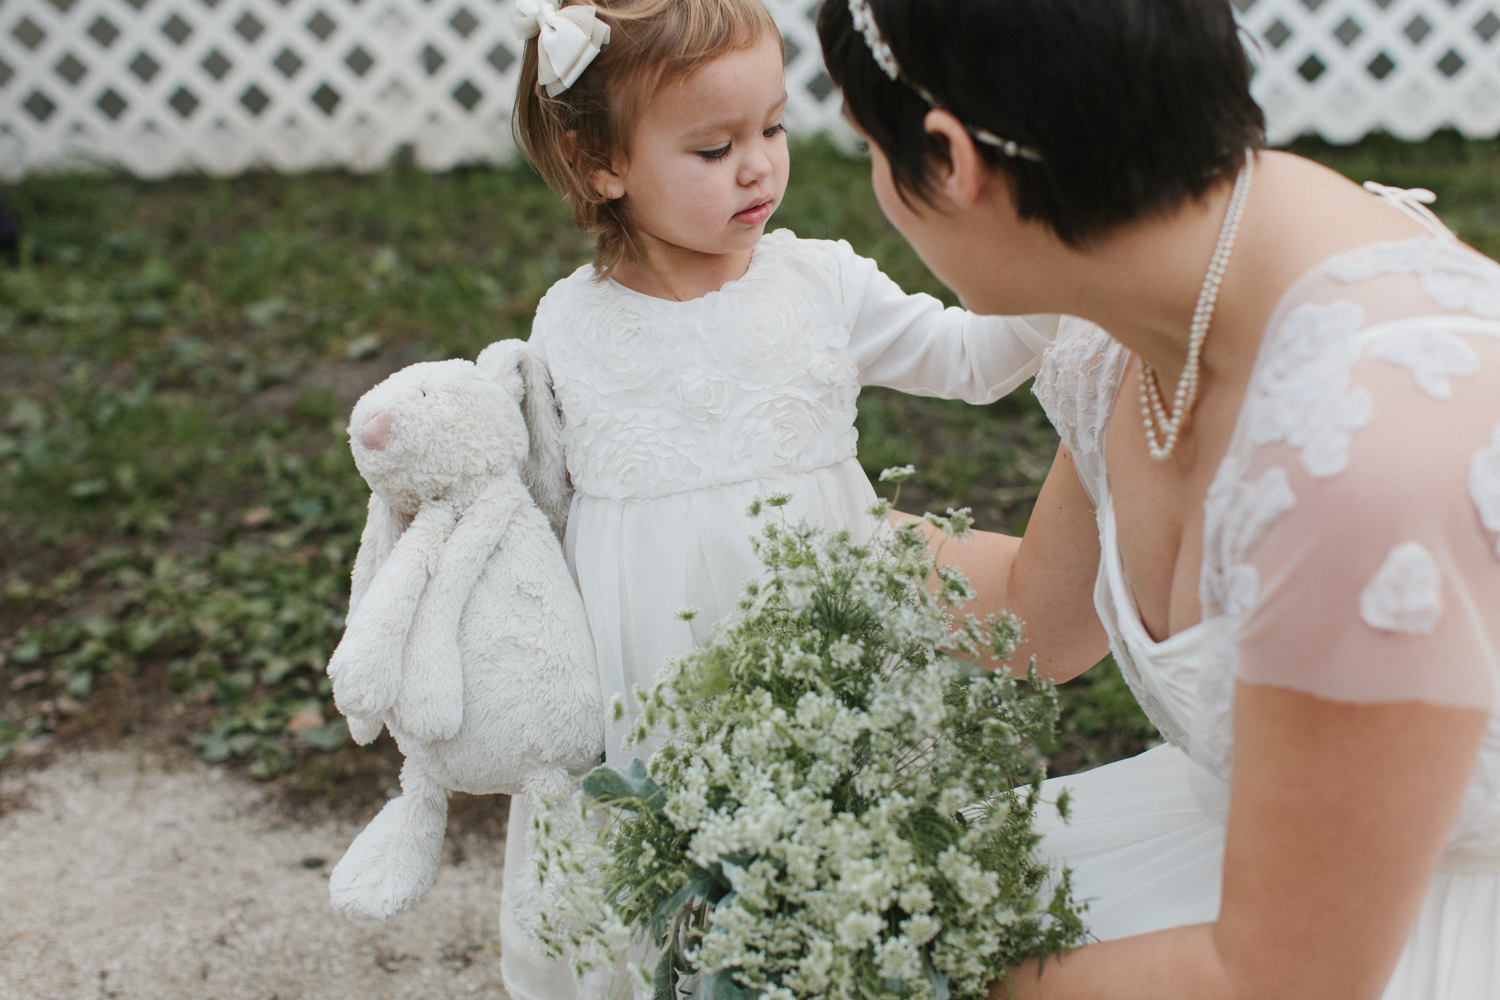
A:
x: 383, y: 528
x: 545, y: 470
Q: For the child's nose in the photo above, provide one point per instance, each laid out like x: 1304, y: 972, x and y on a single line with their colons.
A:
x: 755, y: 167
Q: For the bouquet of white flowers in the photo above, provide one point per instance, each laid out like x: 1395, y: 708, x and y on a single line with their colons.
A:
x: 844, y: 808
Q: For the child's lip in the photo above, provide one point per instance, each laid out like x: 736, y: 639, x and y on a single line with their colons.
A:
x: 755, y: 214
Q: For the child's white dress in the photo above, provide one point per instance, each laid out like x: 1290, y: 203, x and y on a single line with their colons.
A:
x: 678, y: 414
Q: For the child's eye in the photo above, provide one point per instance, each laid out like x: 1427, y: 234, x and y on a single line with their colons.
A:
x: 774, y: 130
x: 715, y: 154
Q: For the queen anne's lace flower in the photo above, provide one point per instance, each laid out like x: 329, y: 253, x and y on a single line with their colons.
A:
x: 806, y: 832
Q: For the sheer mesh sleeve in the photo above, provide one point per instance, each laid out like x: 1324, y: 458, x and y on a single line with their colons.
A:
x: 1357, y: 536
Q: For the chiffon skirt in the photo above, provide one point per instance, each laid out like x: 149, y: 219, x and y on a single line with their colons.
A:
x: 637, y: 563
x: 1146, y: 847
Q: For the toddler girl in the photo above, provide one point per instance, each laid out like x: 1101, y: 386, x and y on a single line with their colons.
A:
x: 699, y: 364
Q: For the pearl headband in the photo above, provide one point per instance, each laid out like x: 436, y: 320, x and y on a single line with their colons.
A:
x: 864, y: 22
x: 569, y: 40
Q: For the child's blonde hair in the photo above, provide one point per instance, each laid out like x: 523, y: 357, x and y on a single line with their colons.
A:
x: 587, y: 127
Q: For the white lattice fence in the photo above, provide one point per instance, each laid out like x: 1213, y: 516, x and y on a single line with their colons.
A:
x: 1342, y: 68
x: 159, y: 86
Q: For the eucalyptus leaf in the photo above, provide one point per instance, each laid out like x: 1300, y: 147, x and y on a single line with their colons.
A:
x: 664, y: 982
x: 698, y: 884
x: 936, y: 978
x: 721, y: 986
x: 608, y: 786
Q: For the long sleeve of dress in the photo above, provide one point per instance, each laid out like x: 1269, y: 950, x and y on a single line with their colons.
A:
x: 912, y: 343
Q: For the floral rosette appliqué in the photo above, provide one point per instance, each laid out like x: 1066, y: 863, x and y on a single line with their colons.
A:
x: 842, y: 807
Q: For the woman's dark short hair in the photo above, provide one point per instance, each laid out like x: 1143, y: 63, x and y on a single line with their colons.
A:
x: 1135, y: 105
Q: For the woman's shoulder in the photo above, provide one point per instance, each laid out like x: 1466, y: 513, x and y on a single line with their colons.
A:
x: 1369, y: 451
x: 1384, y: 329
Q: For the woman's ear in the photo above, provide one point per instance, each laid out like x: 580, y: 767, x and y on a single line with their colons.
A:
x: 966, y: 175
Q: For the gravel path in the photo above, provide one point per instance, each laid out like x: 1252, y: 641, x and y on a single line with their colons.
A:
x: 122, y: 878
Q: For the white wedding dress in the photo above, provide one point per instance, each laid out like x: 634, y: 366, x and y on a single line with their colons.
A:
x: 1351, y: 551
x: 678, y: 414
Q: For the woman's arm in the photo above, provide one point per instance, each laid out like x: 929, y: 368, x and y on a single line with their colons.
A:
x: 1338, y: 817
x: 1045, y: 578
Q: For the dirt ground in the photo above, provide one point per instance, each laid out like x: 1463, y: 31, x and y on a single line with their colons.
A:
x: 130, y: 874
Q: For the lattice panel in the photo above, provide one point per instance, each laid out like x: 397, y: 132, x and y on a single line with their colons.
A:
x: 160, y: 86
x: 1342, y: 68
x: 222, y: 85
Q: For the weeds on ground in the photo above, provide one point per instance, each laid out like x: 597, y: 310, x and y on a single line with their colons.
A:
x: 178, y: 507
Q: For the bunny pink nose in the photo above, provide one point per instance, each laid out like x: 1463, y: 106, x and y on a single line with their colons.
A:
x: 377, y: 431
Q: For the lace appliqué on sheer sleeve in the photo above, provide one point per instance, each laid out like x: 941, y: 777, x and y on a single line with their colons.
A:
x: 1484, y: 485
x: 1406, y: 593
x: 1303, y: 396
x: 1341, y: 535
x: 1453, y: 278
x: 1352, y: 536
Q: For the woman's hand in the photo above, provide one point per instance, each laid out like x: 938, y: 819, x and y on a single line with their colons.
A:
x: 1338, y: 817
x: 1045, y: 578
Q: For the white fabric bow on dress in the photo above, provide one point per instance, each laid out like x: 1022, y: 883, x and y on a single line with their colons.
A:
x: 1414, y: 202
x: 570, y: 39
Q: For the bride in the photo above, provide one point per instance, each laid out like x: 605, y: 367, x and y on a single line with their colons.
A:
x: 1277, y: 500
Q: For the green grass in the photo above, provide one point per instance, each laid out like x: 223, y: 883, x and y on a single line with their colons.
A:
x: 177, y: 503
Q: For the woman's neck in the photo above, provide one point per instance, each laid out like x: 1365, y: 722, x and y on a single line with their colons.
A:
x: 675, y: 273
x: 1143, y: 282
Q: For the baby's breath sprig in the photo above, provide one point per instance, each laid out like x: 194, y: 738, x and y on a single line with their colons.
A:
x: 843, y: 808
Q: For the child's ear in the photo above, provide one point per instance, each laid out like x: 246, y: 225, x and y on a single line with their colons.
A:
x: 609, y: 182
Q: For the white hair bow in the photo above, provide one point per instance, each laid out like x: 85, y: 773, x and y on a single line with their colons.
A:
x: 570, y: 39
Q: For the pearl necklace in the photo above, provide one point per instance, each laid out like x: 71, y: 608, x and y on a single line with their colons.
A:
x: 1153, y: 413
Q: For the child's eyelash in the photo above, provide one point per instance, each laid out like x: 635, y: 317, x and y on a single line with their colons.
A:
x: 718, y: 154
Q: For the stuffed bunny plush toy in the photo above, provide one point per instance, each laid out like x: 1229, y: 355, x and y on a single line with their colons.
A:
x: 466, y: 635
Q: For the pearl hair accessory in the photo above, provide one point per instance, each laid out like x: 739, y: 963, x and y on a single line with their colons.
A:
x: 864, y: 23
x: 1153, y: 413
